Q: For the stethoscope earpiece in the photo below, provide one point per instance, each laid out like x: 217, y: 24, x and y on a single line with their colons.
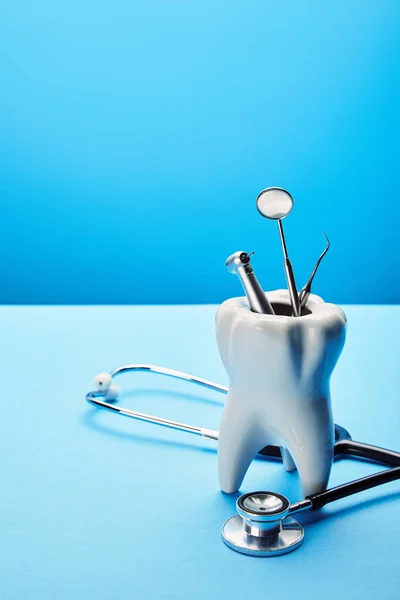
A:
x: 103, y: 383
x: 262, y: 526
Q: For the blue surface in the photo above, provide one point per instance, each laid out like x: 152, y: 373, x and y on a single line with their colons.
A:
x: 96, y: 506
x: 136, y: 135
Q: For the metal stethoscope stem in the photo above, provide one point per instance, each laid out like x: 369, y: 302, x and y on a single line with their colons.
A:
x: 97, y: 398
x: 344, y: 445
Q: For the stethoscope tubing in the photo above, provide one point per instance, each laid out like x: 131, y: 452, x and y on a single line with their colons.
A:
x: 95, y: 399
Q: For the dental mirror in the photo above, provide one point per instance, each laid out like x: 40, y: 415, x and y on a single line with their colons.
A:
x: 276, y: 203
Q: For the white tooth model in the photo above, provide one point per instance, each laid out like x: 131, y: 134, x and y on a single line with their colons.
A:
x: 279, y: 370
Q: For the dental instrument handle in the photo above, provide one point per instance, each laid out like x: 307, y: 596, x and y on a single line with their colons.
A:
x: 294, y: 298
x: 256, y: 297
x: 304, y: 296
x: 306, y: 290
x: 239, y: 264
x: 293, y: 295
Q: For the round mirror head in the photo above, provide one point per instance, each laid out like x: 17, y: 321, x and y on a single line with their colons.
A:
x: 274, y: 203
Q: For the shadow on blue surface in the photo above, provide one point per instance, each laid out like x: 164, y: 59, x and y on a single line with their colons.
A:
x: 90, y: 420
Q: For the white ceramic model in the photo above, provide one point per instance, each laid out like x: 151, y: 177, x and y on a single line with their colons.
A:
x: 279, y: 369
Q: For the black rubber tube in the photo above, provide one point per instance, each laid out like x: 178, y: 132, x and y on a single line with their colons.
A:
x: 357, y: 449
x: 372, y: 453
x: 351, y: 448
x: 359, y: 485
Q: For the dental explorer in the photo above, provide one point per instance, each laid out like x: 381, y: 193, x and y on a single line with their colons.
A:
x: 306, y: 290
x: 239, y: 264
x: 276, y: 203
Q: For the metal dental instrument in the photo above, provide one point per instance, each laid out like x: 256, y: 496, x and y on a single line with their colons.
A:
x: 306, y: 290
x: 264, y: 525
x: 239, y: 264
x: 99, y: 399
x: 276, y: 203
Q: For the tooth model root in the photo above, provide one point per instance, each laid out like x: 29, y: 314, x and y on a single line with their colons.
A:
x: 238, y: 444
x: 279, y: 370
x: 288, y: 462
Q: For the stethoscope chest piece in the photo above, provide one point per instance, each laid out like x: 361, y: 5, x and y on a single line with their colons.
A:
x: 262, y: 526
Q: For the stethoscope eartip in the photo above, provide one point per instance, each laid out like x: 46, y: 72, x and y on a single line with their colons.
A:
x: 103, y: 383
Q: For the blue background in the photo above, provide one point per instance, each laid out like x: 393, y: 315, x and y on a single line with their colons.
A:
x: 134, y: 138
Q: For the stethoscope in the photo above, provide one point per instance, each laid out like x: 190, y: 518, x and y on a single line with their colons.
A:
x: 264, y: 525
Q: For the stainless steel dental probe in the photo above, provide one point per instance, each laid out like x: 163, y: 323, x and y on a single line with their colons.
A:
x: 239, y: 264
x: 306, y: 290
x: 276, y: 203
